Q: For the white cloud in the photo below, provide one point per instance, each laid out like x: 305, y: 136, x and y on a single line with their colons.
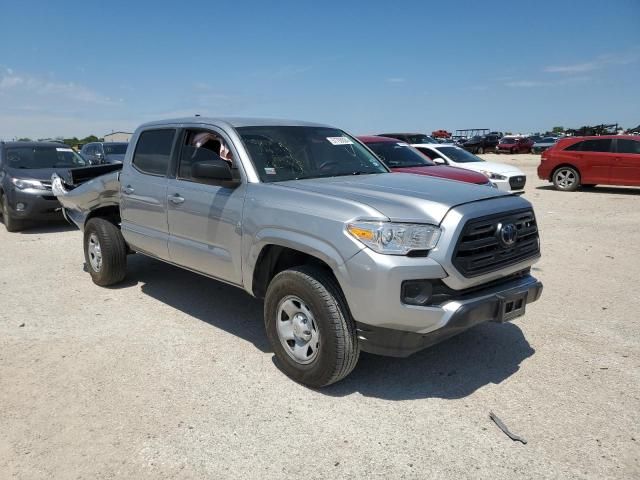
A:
x: 26, y: 85
x: 546, y: 83
x: 598, y: 63
x: 395, y: 80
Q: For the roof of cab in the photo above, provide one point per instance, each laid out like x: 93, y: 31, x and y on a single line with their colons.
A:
x: 234, y: 122
x: 377, y: 139
x: 35, y: 144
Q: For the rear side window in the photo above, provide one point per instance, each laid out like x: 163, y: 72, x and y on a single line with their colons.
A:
x: 628, y: 146
x: 603, y: 145
x: 153, y: 151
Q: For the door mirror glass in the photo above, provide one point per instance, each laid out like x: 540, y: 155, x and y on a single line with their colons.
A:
x: 439, y: 161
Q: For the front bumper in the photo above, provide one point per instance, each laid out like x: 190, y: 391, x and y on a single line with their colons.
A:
x: 35, y: 204
x: 458, y: 315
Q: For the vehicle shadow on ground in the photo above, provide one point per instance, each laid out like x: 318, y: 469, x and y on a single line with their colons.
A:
x: 52, y: 227
x: 453, y: 369
x: 218, y: 304
x: 601, y: 190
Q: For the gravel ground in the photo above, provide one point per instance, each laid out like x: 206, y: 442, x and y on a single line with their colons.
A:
x: 170, y: 375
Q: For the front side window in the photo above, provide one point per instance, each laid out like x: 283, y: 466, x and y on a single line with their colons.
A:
x: 153, y: 151
x: 399, y: 155
x: 508, y: 140
x: 43, y: 157
x: 628, y: 146
x: 203, y: 145
x: 458, y: 155
x: 281, y: 153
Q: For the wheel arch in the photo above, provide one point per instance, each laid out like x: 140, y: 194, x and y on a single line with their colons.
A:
x: 563, y: 164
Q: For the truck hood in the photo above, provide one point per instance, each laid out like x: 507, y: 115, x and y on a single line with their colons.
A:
x: 42, y: 174
x: 493, y: 167
x: 443, y: 171
x: 400, y: 197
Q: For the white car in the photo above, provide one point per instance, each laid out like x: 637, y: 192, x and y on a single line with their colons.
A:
x: 504, y: 177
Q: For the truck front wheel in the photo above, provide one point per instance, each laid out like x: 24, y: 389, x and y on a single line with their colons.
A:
x: 105, y: 252
x: 309, y: 326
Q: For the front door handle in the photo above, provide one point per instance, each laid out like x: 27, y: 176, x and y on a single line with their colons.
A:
x: 176, y: 198
x: 128, y: 190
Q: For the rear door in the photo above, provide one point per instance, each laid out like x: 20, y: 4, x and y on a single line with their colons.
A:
x: 626, y: 162
x: 593, y: 158
x: 204, y: 217
x: 143, y: 193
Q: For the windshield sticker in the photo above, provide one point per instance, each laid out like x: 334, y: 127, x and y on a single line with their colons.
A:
x: 270, y: 171
x: 64, y: 150
x: 339, y: 141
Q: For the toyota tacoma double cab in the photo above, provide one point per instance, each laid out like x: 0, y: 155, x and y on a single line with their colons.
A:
x: 347, y: 256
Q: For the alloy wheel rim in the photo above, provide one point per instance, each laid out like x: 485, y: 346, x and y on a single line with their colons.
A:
x: 95, y: 252
x: 565, y: 178
x: 297, y: 330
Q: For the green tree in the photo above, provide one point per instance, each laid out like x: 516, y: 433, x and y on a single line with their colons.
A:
x: 24, y: 139
x: 557, y: 130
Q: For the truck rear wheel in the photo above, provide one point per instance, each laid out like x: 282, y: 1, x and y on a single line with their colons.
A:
x: 105, y: 252
x: 309, y: 326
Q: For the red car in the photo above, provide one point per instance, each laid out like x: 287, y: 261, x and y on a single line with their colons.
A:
x: 514, y: 145
x: 401, y: 157
x: 587, y: 161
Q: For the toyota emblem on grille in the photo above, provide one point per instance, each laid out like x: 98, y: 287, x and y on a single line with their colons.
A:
x: 508, y: 234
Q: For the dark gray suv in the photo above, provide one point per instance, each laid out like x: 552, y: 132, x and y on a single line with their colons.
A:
x: 25, y: 180
x: 98, y: 153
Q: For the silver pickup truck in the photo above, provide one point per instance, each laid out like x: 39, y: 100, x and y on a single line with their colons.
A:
x: 348, y: 256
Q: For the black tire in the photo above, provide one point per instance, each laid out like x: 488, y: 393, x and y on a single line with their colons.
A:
x: 113, y: 252
x: 10, y: 223
x: 566, y: 179
x: 338, y: 350
x: 480, y: 150
x: 513, y: 151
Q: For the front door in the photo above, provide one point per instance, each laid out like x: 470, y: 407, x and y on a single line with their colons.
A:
x: 143, y: 193
x: 626, y: 162
x: 204, y: 217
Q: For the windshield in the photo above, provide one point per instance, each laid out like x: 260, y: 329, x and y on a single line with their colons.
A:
x: 43, y: 157
x: 115, y: 148
x: 291, y: 153
x: 508, y: 140
x: 420, y: 139
x: 458, y: 155
x: 549, y: 140
x: 399, y: 155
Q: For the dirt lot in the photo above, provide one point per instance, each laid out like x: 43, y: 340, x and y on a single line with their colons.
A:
x: 170, y: 375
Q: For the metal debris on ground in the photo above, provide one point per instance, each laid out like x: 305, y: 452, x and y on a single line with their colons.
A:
x: 503, y: 427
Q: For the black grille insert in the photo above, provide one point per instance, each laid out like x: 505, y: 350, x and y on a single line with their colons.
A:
x: 482, y: 248
x: 517, y: 182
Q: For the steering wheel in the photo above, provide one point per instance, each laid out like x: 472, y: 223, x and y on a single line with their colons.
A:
x: 326, y: 164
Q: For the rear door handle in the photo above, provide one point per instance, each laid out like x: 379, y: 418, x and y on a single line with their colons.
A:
x: 176, y: 198
x: 128, y: 190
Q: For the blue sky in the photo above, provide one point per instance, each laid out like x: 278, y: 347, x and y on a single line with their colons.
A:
x: 74, y: 68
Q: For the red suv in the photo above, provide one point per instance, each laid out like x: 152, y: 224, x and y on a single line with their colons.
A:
x: 587, y: 161
x: 514, y: 145
x: 402, y: 157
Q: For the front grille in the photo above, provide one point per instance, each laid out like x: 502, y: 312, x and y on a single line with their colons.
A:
x: 481, y: 248
x: 517, y: 183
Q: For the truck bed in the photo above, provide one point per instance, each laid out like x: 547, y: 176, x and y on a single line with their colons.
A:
x: 83, y: 190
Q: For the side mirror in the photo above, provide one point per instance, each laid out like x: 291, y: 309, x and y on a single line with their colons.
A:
x: 214, y: 169
x: 439, y: 161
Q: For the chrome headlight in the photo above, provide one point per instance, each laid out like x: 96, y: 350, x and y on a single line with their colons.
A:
x: 493, y: 176
x: 22, y: 184
x: 395, y: 238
